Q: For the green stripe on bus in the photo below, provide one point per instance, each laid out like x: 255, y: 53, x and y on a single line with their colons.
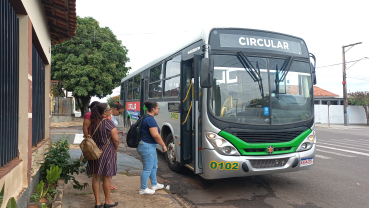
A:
x: 241, y: 145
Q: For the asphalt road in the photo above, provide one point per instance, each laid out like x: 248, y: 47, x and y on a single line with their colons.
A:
x: 339, y: 178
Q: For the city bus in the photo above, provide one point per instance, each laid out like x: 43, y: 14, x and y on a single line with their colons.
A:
x: 233, y: 102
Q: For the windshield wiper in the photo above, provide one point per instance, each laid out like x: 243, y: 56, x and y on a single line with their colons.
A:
x: 285, y: 68
x: 248, y: 66
x: 250, y: 69
x: 260, y: 82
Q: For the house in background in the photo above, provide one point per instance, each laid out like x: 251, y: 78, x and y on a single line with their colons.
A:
x: 322, y: 97
x: 28, y: 29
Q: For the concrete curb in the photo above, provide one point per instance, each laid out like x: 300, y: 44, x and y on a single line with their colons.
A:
x: 59, y: 196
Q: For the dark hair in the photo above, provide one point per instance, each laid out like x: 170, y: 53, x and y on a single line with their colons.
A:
x: 150, y: 105
x: 97, y: 112
x: 118, y: 106
x: 93, y: 104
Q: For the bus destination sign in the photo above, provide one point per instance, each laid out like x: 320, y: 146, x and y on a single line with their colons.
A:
x: 258, y: 42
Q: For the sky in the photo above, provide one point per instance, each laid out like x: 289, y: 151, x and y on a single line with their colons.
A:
x: 150, y: 28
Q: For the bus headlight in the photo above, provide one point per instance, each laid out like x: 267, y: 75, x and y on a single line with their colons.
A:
x: 221, y: 145
x: 307, y: 143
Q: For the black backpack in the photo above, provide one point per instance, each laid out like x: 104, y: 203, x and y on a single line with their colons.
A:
x: 134, y: 133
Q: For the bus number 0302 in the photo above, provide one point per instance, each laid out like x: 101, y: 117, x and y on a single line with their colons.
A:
x: 224, y: 165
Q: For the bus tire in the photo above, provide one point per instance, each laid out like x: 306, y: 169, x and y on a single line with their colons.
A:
x: 170, y: 155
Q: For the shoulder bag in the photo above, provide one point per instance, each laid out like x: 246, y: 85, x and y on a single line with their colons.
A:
x: 89, y: 148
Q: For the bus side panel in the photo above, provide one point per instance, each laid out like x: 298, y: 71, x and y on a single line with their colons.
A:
x: 173, y: 119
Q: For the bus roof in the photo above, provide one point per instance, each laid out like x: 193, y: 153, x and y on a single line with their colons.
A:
x: 204, y: 35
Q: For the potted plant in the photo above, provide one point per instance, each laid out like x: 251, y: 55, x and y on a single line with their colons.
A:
x: 46, y: 193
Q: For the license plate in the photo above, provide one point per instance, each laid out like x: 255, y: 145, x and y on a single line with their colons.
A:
x: 306, y: 161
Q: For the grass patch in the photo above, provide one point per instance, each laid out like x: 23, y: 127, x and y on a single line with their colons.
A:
x: 168, y: 191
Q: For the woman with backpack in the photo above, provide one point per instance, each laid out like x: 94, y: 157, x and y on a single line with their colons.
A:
x: 106, y: 137
x: 147, y: 148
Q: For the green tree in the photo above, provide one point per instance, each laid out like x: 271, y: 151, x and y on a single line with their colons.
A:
x: 90, y: 64
x: 362, y: 99
x: 112, y: 100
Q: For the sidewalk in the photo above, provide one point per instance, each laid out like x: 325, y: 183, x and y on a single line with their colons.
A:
x: 127, y: 181
x: 126, y: 195
x: 341, y: 126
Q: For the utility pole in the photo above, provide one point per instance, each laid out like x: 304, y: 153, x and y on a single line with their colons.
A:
x: 344, y: 83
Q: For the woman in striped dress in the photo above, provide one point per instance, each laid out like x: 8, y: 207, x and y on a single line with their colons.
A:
x: 106, y: 165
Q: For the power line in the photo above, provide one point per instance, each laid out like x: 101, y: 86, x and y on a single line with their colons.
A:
x: 358, y: 78
x: 365, y: 58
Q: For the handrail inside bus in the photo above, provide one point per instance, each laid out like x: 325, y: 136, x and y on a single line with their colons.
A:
x: 222, y: 112
x: 188, y: 92
x: 189, y: 110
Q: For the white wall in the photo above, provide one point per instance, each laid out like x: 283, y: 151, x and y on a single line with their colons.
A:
x: 356, y: 114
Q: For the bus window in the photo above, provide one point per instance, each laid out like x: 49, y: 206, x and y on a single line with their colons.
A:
x: 171, y: 87
x: 155, y: 90
x: 136, y: 89
x: 173, y: 67
x: 155, y: 74
x: 130, y: 83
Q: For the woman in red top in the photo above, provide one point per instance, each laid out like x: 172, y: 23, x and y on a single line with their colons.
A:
x: 87, y: 119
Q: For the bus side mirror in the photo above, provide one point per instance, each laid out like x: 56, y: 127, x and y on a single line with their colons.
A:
x: 206, y: 74
x: 313, y: 67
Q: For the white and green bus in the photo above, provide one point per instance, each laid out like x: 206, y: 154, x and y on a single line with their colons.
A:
x: 234, y: 102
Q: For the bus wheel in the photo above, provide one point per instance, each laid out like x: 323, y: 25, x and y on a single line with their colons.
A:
x: 170, y: 155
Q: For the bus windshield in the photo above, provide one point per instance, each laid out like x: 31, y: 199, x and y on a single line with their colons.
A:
x: 261, y: 91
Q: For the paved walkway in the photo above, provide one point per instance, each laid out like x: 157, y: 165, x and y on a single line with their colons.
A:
x: 126, y: 195
x: 128, y: 183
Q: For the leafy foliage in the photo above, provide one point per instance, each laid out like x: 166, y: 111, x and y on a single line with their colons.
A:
x: 53, y: 174
x: 58, y: 154
x: 57, y: 91
x: 40, y: 192
x: 91, y: 64
x: 2, y: 195
x: 361, y: 99
x: 112, y: 100
x: 11, y: 203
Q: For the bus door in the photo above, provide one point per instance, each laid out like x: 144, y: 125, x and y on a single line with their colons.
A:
x: 190, y: 114
x: 144, y: 95
x: 186, y: 115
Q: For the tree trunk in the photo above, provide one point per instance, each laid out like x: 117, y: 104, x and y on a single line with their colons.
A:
x: 85, y: 104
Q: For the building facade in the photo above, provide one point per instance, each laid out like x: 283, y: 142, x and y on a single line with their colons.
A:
x: 28, y: 28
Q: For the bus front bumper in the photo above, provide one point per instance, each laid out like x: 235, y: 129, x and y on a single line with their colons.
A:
x: 217, y: 166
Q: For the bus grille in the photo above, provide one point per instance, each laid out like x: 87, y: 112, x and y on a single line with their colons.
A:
x: 269, y: 163
x: 267, y: 137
